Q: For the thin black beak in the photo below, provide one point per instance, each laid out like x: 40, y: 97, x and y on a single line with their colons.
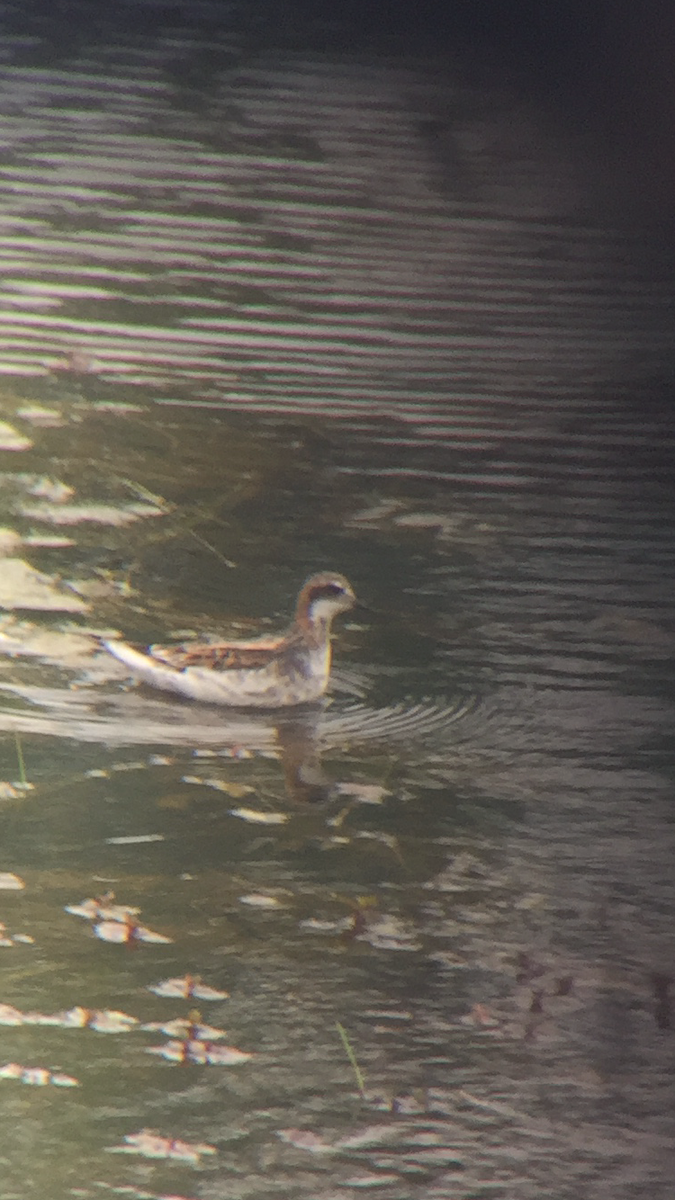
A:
x: 360, y: 607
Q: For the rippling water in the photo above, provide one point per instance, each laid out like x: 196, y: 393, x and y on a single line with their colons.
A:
x: 264, y: 312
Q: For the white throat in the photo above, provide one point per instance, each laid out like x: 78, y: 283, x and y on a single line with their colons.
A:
x: 322, y: 610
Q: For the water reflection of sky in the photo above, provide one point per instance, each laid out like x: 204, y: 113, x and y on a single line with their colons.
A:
x: 255, y: 322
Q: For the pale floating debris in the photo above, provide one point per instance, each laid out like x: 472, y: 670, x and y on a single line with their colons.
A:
x: 257, y: 900
x: 108, y: 1020
x: 187, y: 987
x: 425, y: 520
x: 388, y: 932
x: 11, y: 1071
x: 130, y: 1190
x: 148, y: 510
x: 365, y: 793
x: 377, y: 512
x: 218, y: 1055
x: 152, y: 498
x: 11, y: 439
x: 372, y: 1135
x: 53, y: 490
x: 37, y: 1076
x: 153, y: 1145
x: 89, y: 909
x: 183, y: 1027
x: 388, y: 1014
x: 10, y: 882
x: 203, y: 1054
x: 22, y: 587
x: 117, y: 407
x: 100, y: 588
x: 533, y: 900
x: 59, y: 1020
x: 175, y: 1052
x: 58, y: 1079
x: 377, y: 835
x: 228, y: 753
x: 236, y: 791
x: 97, y: 773
x: 67, y: 648
x: 128, y: 931
x: 38, y: 414
x: 48, y: 541
x: 160, y: 760
x: 495, y: 1106
x: 8, y: 939
x: 259, y: 818
x: 315, y: 925
x: 96, y: 514
x: 135, y: 839
x: 53, y: 1020
x: 102, y: 909
x: 304, y: 1139
x: 10, y: 1015
x: 100, y: 1020
x: 370, y: 1180
x: 10, y: 540
x: 10, y: 791
x: 136, y: 765
x: 480, y: 1017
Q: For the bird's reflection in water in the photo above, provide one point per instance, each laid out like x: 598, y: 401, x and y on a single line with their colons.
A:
x: 134, y: 718
x: 298, y: 740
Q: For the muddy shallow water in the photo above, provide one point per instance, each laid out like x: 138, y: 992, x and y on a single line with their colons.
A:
x: 255, y: 324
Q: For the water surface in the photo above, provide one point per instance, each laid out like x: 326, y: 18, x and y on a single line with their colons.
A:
x: 289, y: 312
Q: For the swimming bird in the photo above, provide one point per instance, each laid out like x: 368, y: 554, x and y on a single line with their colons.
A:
x: 267, y: 672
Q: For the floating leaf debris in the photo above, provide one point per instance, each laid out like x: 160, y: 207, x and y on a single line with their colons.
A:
x: 153, y: 1145
x: 187, y: 987
x: 37, y: 1076
x: 259, y: 818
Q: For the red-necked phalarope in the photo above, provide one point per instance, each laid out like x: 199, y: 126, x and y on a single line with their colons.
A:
x: 268, y: 672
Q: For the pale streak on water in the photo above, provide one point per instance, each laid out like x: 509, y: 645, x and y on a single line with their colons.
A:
x: 415, y: 266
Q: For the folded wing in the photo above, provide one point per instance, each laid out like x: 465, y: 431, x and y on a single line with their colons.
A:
x: 217, y: 656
